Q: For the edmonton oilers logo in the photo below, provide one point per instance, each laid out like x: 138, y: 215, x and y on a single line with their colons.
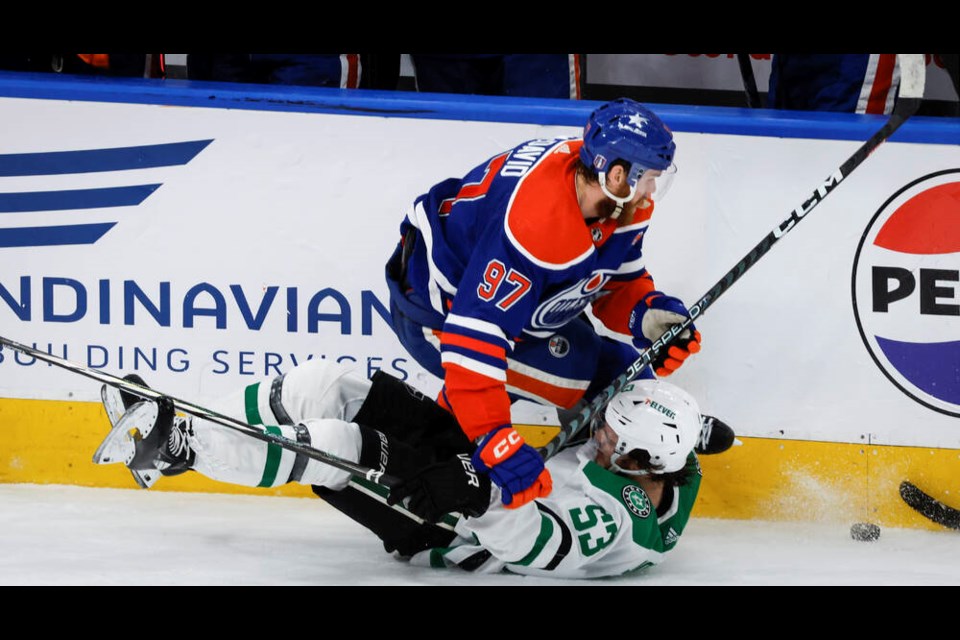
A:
x: 562, y: 307
x: 906, y: 290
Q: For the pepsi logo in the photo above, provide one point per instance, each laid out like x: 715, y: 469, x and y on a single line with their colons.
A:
x: 906, y: 290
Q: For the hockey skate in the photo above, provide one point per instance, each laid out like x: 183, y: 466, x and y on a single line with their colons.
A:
x: 716, y: 436
x: 115, y: 403
x: 147, y: 436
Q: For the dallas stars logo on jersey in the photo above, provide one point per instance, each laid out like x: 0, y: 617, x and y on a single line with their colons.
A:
x: 636, y: 500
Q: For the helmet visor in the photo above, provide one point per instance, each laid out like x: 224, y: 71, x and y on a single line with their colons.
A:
x: 612, y: 449
x: 653, y: 183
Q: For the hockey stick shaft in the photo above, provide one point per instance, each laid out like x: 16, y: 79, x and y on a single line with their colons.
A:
x: 371, y: 475
x: 749, y: 81
x: 364, y: 479
x: 911, y: 92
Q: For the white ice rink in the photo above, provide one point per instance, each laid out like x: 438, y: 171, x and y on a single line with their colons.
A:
x: 67, y: 535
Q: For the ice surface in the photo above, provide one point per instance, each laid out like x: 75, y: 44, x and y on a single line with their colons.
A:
x: 69, y: 535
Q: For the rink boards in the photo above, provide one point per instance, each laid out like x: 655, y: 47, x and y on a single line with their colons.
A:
x: 208, y: 235
x: 51, y: 442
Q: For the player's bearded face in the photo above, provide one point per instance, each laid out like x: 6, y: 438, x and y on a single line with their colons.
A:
x: 646, y: 187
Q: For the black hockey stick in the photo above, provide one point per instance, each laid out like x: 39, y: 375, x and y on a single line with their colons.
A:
x: 749, y: 81
x: 370, y: 482
x: 371, y: 475
x: 912, y: 72
x: 929, y: 507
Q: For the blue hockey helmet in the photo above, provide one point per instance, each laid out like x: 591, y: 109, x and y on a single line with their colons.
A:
x: 623, y: 129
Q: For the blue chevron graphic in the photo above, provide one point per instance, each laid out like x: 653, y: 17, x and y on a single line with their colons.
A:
x: 75, y: 199
x: 79, y: 162
x: 94, y: 160
x: 54, y: 235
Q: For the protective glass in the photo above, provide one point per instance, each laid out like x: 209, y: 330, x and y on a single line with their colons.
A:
x: 655, y: 183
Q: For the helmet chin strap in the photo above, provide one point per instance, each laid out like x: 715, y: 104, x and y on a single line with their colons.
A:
x: 620, y: 201
x: 618, y: 469
x: 619, y: 453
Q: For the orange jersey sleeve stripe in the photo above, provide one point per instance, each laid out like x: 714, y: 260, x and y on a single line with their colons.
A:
x: 453, y: 339
x: 479, y: 403
x: 560, y: 396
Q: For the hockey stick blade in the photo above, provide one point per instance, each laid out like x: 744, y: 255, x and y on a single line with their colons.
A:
x: 147, y: 393
x: 929, y: 507
x: 911, y: 94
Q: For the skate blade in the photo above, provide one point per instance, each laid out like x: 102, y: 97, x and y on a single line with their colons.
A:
x: 113, y: 405
x: 145, y: 479
x: 120, y: 445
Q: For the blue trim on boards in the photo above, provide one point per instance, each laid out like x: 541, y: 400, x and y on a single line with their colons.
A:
x: 406, y: 104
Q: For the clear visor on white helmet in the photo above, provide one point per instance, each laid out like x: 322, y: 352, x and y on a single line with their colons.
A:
x: 653, y: 183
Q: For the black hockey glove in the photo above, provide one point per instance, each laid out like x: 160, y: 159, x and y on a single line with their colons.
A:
x: 444, y: 487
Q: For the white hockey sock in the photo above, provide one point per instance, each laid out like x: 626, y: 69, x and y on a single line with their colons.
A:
x: 230, y: 456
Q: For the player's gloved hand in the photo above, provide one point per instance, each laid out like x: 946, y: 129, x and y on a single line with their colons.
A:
x: 651, y: 318
x: 444, y: 487
x: 513, y: 465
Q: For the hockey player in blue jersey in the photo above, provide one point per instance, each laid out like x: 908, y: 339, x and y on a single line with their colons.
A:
x: 496, y: 273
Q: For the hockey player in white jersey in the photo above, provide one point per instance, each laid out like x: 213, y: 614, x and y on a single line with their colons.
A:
x: 620, y: 501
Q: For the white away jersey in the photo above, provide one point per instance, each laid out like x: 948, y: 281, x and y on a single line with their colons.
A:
x: 594, y: 524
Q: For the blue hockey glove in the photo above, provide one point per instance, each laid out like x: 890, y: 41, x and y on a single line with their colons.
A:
x: 651, y: 318
x: 513, y: 465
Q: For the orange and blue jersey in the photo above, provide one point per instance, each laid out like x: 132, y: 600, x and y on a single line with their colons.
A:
x: 503, y: 257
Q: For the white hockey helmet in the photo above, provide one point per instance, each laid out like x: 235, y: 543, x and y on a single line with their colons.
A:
x: 658, y: 417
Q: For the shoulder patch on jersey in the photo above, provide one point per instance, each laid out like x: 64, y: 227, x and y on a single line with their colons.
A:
x: 543, y: 217
x: 636, y: 501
